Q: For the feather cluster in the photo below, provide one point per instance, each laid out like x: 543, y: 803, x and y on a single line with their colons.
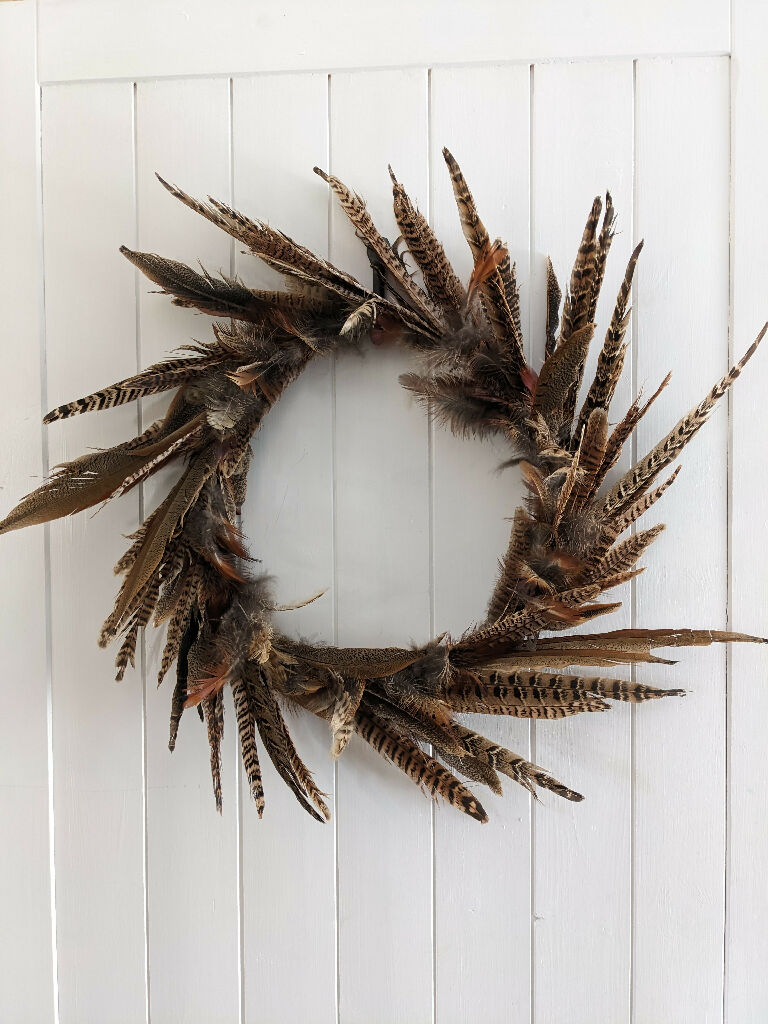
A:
x: 187, y: 565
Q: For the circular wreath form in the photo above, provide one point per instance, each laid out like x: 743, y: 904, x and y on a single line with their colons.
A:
x: 188, y: 565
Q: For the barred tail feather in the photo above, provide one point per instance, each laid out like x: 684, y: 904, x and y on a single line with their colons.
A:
x: 418, y: 766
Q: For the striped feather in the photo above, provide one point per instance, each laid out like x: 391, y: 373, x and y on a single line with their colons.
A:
x: 610, y: 362
x: 213, y: 709
x: 157, y: 378
x: 591, y: 453
x: 642, y: 475
x: 579, y: 295
x: 427, y: 773
x: 623, y: 431
x: 637, y: 508
x: 246, y: 727
x: 409, y: 292
x: 607, y: 231
x: 440, y: 280
x: 279, y: 746
x: 498, y: 289
x: 554, y: 295
x: 513, y: 766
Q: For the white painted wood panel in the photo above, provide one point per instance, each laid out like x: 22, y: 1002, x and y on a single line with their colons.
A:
x: 90, y: 322
x: 482, y: 914
x: 382, y: 574
x: 26, y: 969
x: 679, y: 765
x: 156, y: 38
x: 746, y: 993
x: 182, y: 132
x: 613, y: 909
x: 583, y: 145
x: 280, y: 131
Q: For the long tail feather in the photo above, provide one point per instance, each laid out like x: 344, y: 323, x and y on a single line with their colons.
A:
x: 498, y: 288
x: 641, y: 476
x: 611, y: 359
x: 440, y: 280
x: 171, y: 373
x: 515, y: 767
x: 246, y: 727
x: 418, y: 766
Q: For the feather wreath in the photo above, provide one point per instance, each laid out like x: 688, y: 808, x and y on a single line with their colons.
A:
x: 188, y: 566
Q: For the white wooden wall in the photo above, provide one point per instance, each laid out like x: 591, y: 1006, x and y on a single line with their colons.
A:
x: 123, y: 896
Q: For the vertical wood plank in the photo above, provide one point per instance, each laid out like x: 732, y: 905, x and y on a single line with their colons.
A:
x: 746, y: 995
x: 97, y: 725
x: 682, y: 303
x: 382, y: 566
x: 103, y: 38
x: 583, y: 145
x: 280, y: 131
x: 26, y: 970
x: 483, y: 924
x: 182, y: 131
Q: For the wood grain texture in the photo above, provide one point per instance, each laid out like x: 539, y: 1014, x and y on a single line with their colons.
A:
x: 482, y: 917
x: 280, y: 131
x: 107, y: 38
x: 182, y: 131
x: 26, y: 969
x: 583, y: 145
x: 746, y: 995
x: 682, y: 303
x: 382, y: 573
x: 90, y: 315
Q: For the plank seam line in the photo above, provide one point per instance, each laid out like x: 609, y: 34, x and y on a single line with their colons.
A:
x: 633, y: 375
x: 729, y: 538
x: 431, y: 568
x: 532, y: 723
x: 143, y: 647
x: 416, y: 65
x: 45, y: 466
x: 239, y: 799
x: 334, y: 574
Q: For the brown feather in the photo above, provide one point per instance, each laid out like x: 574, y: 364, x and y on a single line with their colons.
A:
x: 418, y: 766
